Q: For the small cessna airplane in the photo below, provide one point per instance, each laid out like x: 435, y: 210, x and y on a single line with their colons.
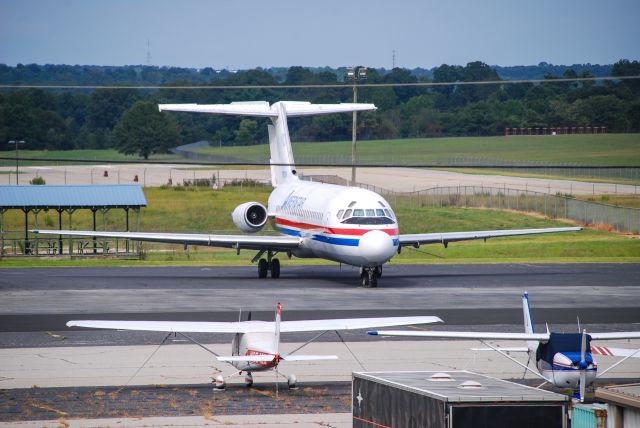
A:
x: 256, y: 344
x: 563, y: 359
x: 345, y: 224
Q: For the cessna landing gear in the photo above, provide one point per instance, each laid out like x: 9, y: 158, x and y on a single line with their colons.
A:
x: 248, y: 380
x: 292, y: 381
x: 270, y: 264
x: 370, y: 275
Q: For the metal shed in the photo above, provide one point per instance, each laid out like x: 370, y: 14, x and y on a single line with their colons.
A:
x: 34, y: 199
x: 453, y: 399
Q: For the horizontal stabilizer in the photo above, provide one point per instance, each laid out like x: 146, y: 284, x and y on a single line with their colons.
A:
x: 263, y: 109
x: 260, y: 109
x: 248, y: 358
x: 309, y: 357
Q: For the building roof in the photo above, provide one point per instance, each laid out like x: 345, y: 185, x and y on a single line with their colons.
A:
x: 622, y: 395
x: 452, y: 390
x: 66, y: 197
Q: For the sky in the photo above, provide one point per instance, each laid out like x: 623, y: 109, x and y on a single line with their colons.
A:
x: 242, y: 34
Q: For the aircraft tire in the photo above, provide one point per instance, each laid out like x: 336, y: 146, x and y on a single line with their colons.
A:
x: 263, y: 268
x: 378, y: 271
x: 373, y: 279
x: 275, y: 268
x: 365, y: 279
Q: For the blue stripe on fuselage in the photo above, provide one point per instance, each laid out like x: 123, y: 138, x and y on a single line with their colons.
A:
x: 349, y: 242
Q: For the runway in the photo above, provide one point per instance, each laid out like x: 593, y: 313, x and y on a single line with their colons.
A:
x: 398, y: 179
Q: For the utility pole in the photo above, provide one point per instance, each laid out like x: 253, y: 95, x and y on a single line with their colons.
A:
x: 16, y: 142
x: 355, y: 77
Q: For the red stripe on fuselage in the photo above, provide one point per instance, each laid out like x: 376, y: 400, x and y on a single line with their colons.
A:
x: 333, y: 230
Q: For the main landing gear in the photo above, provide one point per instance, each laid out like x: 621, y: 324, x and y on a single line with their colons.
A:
x: 270, y: 264
x: 370, y: 275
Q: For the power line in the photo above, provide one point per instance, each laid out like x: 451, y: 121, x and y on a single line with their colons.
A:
x: 321, y: 164
x: 323, y: 86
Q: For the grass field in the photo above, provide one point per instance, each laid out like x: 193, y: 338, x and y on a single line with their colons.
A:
x: 208, y: 210
x: 595, y: 150
x: 97, y: 155
x: 604, y: 149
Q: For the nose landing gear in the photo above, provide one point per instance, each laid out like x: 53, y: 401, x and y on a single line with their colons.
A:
x: 369, y: 276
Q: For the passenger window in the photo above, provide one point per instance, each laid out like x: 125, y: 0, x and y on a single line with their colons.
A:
x: 358, y: 213
x: 347, y: 214
x: 379, y: 213
x: 340, y: 214
x: 371, y: 213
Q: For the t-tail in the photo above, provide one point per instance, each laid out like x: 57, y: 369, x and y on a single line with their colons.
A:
x: 528, y: 322
x: 281, y: 160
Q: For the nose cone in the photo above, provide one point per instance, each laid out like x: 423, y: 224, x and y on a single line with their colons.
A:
x: 376, y: 246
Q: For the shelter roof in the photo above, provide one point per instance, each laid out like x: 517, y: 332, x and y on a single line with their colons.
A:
x: 66, y: 197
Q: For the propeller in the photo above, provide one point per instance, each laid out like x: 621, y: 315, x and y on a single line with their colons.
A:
x: 582, y: 365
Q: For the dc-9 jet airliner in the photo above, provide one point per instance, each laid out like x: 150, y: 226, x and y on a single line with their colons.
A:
x: 344, y: 224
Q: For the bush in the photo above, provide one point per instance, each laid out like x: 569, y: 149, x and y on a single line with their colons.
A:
x: 38, y: 181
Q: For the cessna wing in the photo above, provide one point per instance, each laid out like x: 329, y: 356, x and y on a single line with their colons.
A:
x: 540, y: 337
x: 252, y: 326
x: 258, y: 242
x: 417, y: 239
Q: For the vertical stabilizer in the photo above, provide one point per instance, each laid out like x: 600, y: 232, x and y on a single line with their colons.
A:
x: 528, y: 321
x: 282, y: 165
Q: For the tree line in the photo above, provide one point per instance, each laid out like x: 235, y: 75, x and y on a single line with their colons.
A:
x: 62, y: 119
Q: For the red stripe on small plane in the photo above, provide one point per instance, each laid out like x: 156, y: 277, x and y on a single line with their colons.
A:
x: 333, y: 230
x: 601, y: 350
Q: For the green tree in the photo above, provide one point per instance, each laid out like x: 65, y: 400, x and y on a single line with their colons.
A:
x: 143, y: 130
x: 247, y: 132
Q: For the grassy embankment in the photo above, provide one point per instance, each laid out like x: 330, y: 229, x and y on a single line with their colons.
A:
x: 591, y: 150
x: 209, y: 211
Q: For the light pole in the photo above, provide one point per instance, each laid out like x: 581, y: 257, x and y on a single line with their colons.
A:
x: 355, y: 75
x: 16, y: 142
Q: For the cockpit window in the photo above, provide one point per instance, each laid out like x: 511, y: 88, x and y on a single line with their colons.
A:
x: 371, y: 213
x: 347, y: 214
x: 339, y: 215
x: 379, y: 213
x: 358, y: 213
x: 368, y: 220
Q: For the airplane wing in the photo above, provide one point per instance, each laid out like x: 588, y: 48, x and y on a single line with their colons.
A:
x: 353, y: 323
x: 252, y: 326
x: 416, y: 239
x: 248, y: 242
x: 540, y: 337
x: 616, y: 335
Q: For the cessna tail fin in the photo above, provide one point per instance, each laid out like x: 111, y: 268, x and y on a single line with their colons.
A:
x: 282, y: 163
x: 528, y: 321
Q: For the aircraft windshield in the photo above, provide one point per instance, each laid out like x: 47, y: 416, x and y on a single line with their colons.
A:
x: 366, y: 216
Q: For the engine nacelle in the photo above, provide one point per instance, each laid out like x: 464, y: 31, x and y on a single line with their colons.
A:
x: 250, y: 217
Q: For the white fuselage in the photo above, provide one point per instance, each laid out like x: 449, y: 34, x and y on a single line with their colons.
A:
x: 248, y: 344
x: 344, y: 224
